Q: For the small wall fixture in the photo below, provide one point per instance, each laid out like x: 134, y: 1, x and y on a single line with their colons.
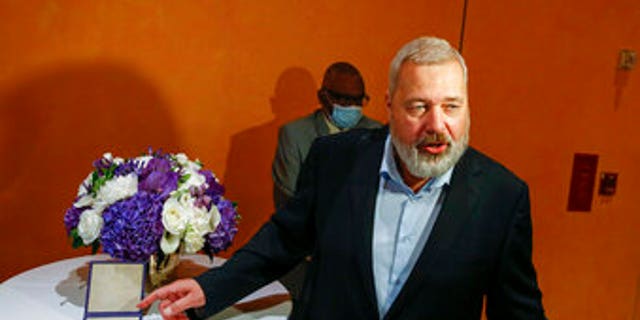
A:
x: 608, y: 181
x: 627, y: 59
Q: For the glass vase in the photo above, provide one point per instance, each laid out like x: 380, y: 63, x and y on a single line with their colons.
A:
x: 162, y: 269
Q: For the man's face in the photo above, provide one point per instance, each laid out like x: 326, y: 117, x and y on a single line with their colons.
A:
x: 343, y: 89
x: 429, y: 117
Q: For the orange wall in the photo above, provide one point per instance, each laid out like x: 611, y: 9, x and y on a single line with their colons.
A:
x: 215, y: 79
x: 543, y: 87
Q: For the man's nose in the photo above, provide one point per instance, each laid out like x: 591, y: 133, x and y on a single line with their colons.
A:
x: 433, y: 121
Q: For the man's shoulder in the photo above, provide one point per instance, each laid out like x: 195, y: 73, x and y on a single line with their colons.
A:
x: 493, y: 169
x: 354, y: 137
x: 307, y: 121
x: 367, y: 122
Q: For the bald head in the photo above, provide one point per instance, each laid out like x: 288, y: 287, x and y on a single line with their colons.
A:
x: 344, y: 78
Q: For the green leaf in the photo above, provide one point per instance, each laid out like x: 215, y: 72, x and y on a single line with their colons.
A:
x: 94, y: 181
x: 76, y: 240
x: 184, y: 178
x: 95, y: 246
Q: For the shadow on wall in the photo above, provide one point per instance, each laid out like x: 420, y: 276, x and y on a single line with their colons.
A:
x: 54, y: 124
x: 620, y: 82
x: 247, y: 177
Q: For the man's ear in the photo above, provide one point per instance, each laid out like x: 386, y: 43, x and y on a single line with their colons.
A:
x: 387, y: 100
x: 324, y: 102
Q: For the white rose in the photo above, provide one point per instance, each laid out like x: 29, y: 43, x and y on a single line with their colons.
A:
x: 193, y: 242
x: 200, y: 222
x: 108, y: 156
x: 118, y: 188
x: 174, y: 216
x: 169, y: 243
x: 90, y: 225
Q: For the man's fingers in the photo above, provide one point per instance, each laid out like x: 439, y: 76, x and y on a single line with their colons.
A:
x: 166, y: 292
x: 176, y: 298
x: 147, y: 301
x: 176, y: 307
x: 164, y: 304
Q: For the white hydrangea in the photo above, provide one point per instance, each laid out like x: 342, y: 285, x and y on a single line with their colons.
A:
x: 184, y: 162
x: 118, y: 188
x: 182, y: 159
x: 193, y: 241
x: 195, y: 179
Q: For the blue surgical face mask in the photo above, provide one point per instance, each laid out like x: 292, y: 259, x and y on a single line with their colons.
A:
x: 346, y: 117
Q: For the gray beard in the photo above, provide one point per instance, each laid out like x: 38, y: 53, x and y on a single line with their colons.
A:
x: 424, y: 165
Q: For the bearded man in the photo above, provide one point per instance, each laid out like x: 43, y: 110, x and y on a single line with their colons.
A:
x: 403, y: 223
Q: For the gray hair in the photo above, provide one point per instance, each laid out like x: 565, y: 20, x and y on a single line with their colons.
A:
x: 424, y: 50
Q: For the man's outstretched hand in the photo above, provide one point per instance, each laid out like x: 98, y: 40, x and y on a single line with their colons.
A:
x: 175, y: 298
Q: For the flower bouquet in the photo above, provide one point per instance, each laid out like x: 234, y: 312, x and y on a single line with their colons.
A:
x: 151, y: 209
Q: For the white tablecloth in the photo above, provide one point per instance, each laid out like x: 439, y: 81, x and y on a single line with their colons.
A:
x: 57, y: 291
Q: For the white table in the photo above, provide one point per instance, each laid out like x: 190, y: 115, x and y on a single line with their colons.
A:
x: 57, y: 291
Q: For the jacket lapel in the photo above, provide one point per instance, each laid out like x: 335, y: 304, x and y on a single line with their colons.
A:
x: 319, y: 123
x: 363, y: 191
x: 461, y: 195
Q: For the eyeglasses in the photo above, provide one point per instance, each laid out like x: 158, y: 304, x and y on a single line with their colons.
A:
x: 345, y: 99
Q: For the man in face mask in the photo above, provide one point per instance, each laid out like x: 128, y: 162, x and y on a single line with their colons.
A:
x: 341, y: 97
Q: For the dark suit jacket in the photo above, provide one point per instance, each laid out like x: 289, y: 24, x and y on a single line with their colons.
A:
x: 294, y: 142
x: 480, y: 244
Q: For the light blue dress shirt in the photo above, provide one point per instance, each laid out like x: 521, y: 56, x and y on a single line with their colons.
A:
x: 402, y: 224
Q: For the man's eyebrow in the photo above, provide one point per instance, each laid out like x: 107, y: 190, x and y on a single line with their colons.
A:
x: 446, y: 99
x: 454, y: 99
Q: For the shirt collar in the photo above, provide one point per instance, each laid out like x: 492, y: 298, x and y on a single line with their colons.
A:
x: 389, y: 171
x: 333, y: 129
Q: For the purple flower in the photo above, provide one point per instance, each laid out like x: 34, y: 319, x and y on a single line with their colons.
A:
x: 72, y: 217
x: 133, y: 227
x: 215, y: 189
x: 129, y: 166
x: 203, y: 200
x: 157, y: 177
x: 102, y: 164
x: 222, y: 237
